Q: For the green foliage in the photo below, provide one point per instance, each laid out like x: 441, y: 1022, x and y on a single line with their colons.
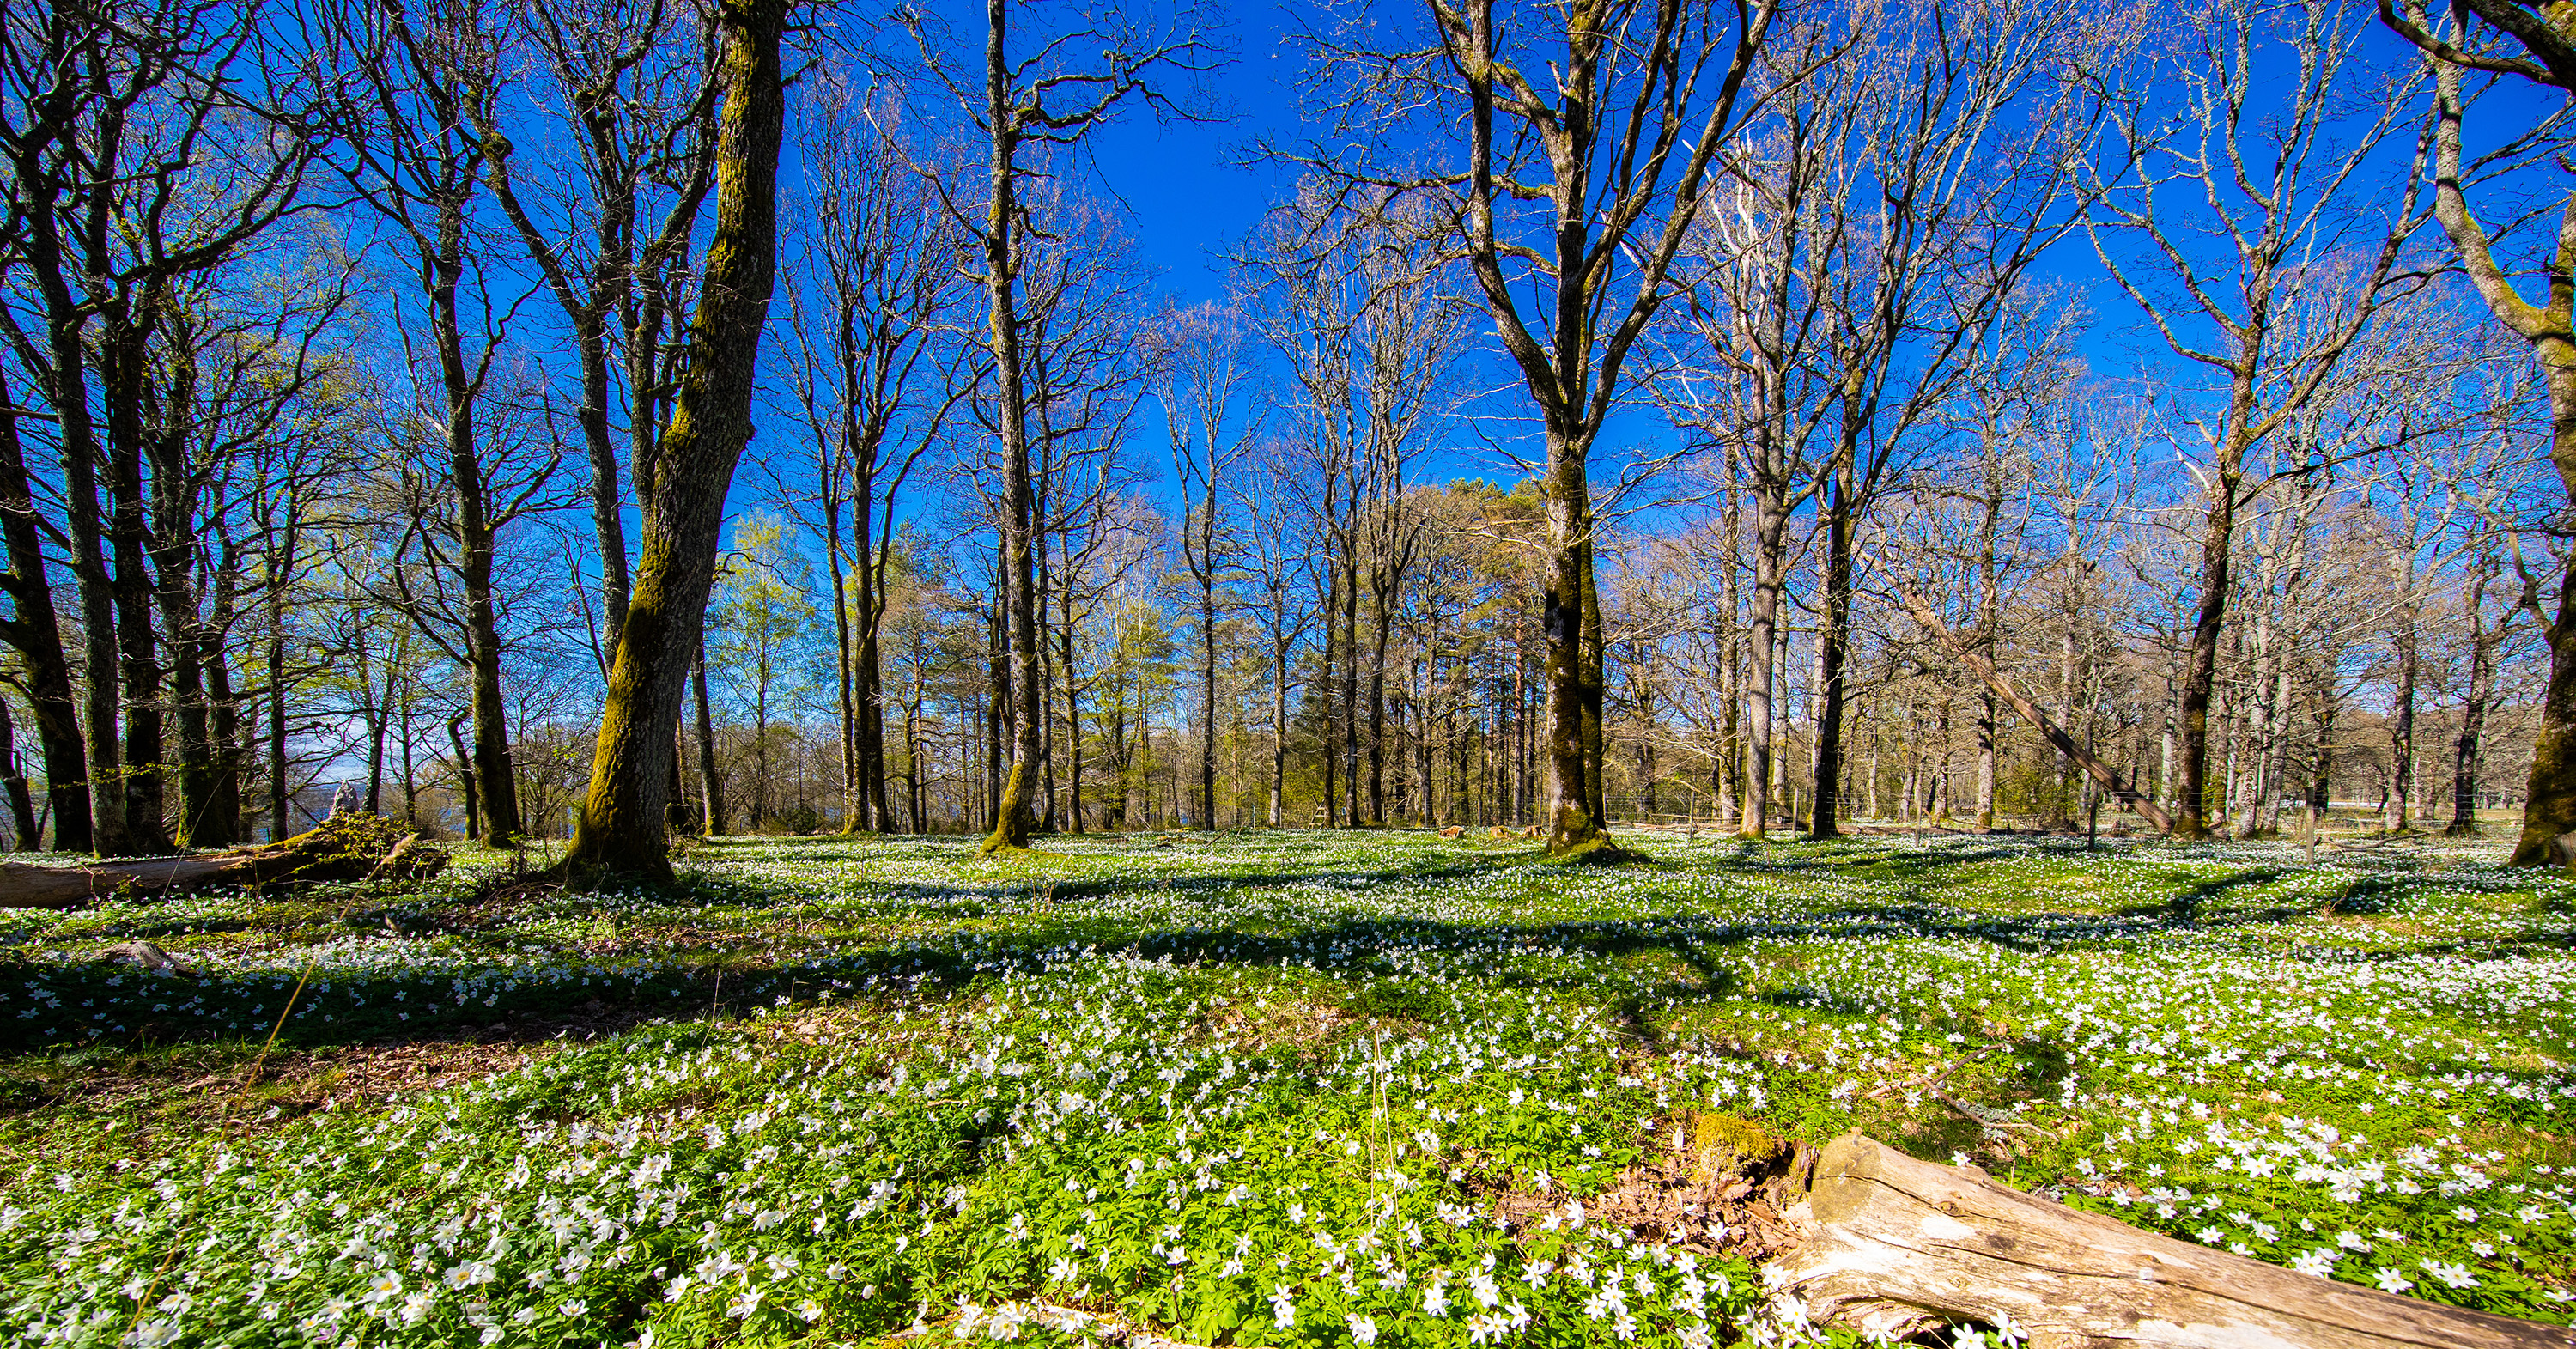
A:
x: 762, y: 628
x: 1265, y: 1091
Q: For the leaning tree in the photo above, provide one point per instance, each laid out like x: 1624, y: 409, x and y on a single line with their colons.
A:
x: 2515, y: 40
x: 623, y: 829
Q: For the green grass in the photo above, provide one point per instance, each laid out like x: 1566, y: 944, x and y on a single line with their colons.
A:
x: 1249, y: 1089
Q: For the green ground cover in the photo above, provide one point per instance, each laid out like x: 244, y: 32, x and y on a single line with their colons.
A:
x: 1250, y: 1089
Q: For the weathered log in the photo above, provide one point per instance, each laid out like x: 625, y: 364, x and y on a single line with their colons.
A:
x: 150, y: 956
x: 347, y: 847
x: 1900, y: 1245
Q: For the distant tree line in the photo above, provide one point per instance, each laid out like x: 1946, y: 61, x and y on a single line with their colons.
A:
x: 1770, y: 416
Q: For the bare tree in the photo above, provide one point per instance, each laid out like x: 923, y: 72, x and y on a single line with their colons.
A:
x: 1202, y: 376
x: 1589, y: 136
x: 1360, y: 304
x: 34, y: 630
x: 2009, y: 406
x: 2507, y: 40
x: 1956, y: 198
x: 2273, y: 174
x: 148, y: 142
x: 1749, y: 370
x: 880, y: 274
x: 1081, y: 306
x: 634, y: 88
x: 1275, y: 561
x: 411, y: 148
x: 1025, y: 105
x: 247, y: 373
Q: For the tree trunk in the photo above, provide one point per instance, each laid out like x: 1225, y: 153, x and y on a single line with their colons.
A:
x: 2066, y: 659
x: 1326, y: 703
x: 1589, y: 670
x: 1902, y: 1246
x: 67, y: 388
x: 121, y: 359
x: 1018, y: 588
x: 35, y: 630
x: 1833, y: 654
x: 2549, y: 801
x: 1381, y: 624
x: 1207, y: 662
x: 1278, y: 726
x: 278, y: 566
x: 871, y: 705
x: 110, y: 828
x: 2466, y: 748
x: 1762, y: 678
x: 607, y: 499
x: 622, y: 830
x: 346, y: 848
x: 375, y: 719
x: 464, y: 779
x: 13, y: 780
x: 1989, y: 581
x: 998, y: 693
x: 912, y: 758
x: 2401, y: 717
x: 222, y: 809
x: 177, y: 590
x: 2200, y: 658
x: 1573, y: 682
x: 498, y: 784
x: 710, y: 782
x: 1350, y: 697
x: 1044, y: 798
x: 501, y: 824
x: 1064, y: 646
x: 844, y: 658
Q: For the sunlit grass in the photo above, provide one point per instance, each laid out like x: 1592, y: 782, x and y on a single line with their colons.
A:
x: 1248, y: 1088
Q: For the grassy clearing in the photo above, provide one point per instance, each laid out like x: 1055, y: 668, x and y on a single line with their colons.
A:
x: 1253, y: 1089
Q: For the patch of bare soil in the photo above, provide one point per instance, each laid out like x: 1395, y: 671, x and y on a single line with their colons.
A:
x: 288, y: 1082
x: 238, y: 1085
x: 1714, y: 1186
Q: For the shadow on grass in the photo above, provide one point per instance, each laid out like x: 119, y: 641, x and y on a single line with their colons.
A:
x: 491, y: 980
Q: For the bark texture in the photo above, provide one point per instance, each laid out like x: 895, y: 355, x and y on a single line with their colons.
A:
x: 1902, y: 1245
x: 1012, y: 814
x: 623, y: 828
x: 351, y: 847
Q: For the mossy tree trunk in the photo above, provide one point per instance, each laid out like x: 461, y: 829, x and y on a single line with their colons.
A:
x: 2546, y: 57
x: 623, y: 828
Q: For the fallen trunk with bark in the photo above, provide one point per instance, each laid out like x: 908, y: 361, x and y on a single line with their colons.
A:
x: 2056, y: 735
x: 1898, y: 1246
x: 347, y: 847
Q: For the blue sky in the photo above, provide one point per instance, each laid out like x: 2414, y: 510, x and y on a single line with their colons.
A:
x: 1192, y: 191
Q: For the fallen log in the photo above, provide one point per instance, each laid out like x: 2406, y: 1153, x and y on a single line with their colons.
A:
x: 1898, y: 1246
x: 150, y: 956
x: 346, y: 847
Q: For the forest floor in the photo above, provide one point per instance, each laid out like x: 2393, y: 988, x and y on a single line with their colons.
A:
x: 1252, y: 1088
